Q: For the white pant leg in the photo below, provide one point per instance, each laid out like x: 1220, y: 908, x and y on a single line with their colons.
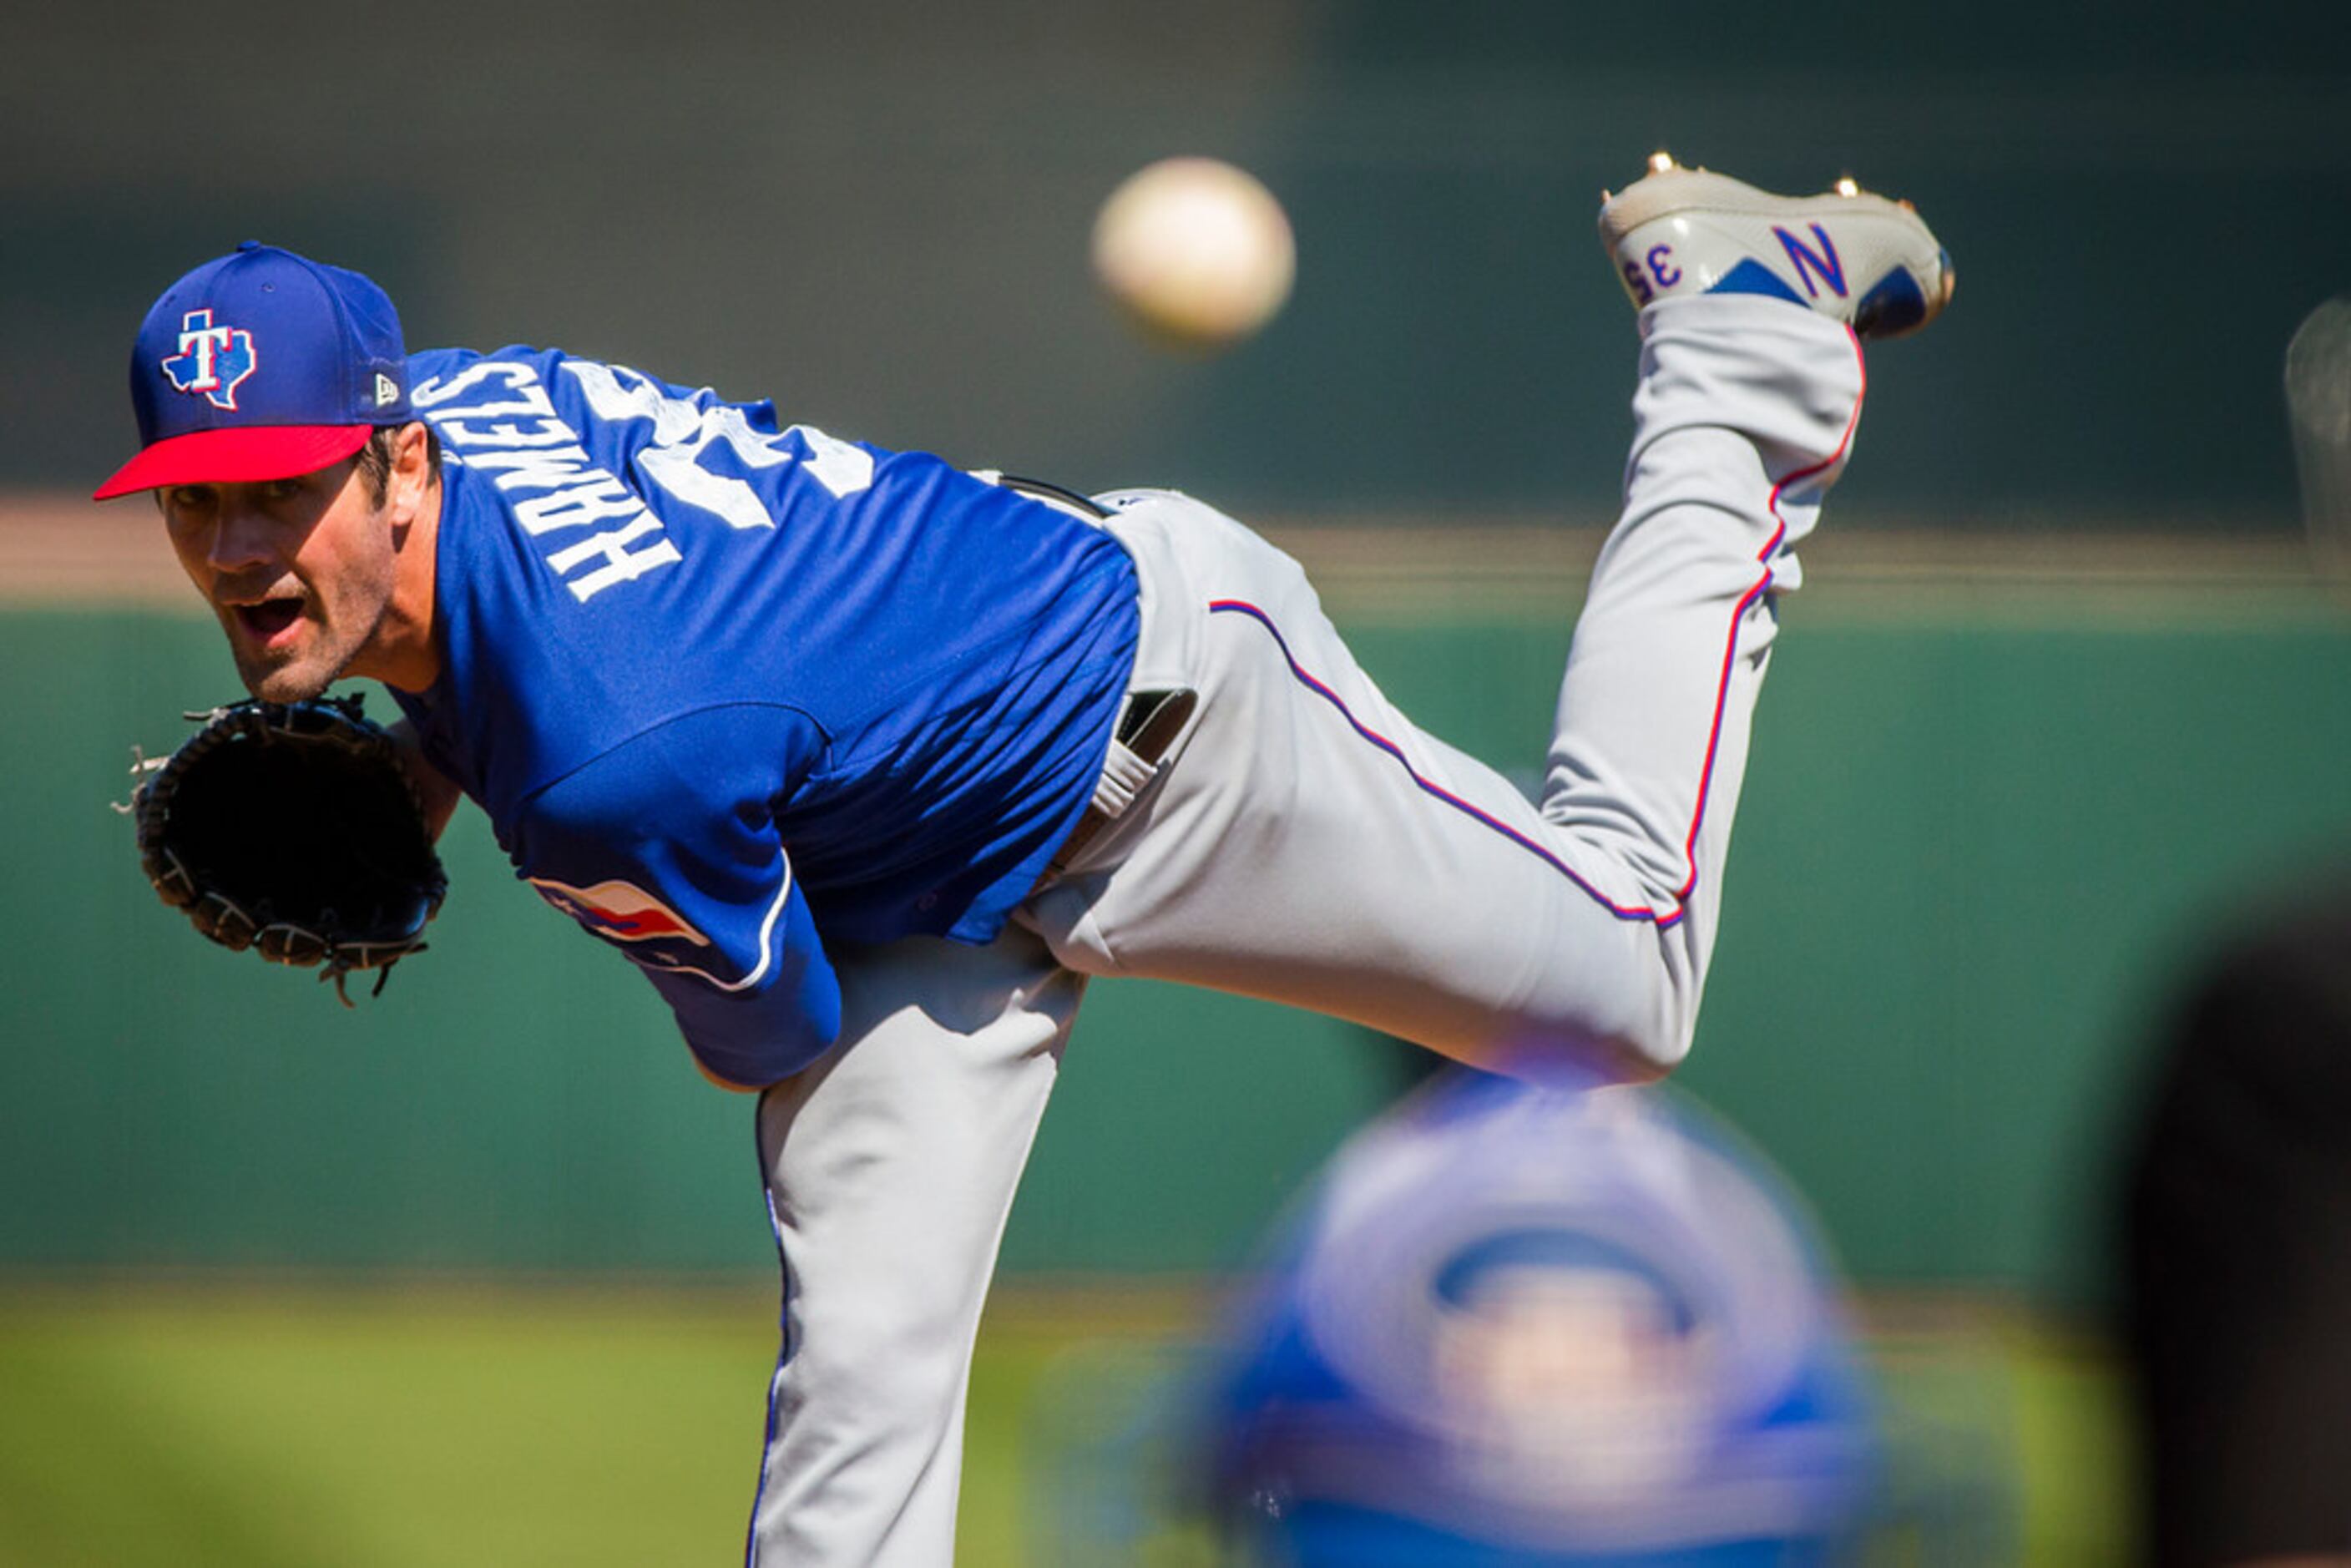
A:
x: 1308, y: 844
x: 891, y: 1166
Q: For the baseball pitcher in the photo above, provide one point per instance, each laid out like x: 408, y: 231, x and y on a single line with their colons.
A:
x: 869, y: 763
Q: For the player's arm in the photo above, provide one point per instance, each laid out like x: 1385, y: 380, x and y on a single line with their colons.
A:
x: 745, y: 1040
x: 667, y: 847
x: 436, y: 790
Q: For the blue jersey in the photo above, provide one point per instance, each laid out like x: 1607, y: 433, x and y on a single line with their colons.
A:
x: 725, y: 688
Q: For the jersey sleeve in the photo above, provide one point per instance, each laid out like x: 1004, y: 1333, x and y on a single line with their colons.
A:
x: 666, y: 846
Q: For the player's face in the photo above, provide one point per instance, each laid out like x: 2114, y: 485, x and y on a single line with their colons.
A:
x: 300, y: 572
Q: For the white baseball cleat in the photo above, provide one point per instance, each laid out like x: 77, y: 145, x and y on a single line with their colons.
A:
x: 1846, y: 253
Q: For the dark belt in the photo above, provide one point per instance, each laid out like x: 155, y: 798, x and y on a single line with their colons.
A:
x: 1147, y: 726
x: 1051, y: 494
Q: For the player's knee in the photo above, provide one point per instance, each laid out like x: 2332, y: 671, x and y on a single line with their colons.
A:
x: 1645, y: 1056
x: 1663, y: 1040
x: 1579, y: 1052
x: 1639, y: 1028
x: 1653, y: 1056
x: 1665, y: 1020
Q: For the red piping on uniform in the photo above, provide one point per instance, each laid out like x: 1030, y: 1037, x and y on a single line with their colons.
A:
x: 1667, y: 919
x: 1731, y: 648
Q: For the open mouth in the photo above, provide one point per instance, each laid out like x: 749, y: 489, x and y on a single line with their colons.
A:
x: 266, y: 620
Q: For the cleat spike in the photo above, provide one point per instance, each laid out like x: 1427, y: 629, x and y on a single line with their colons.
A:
x: 1660, y: 161
x: 1847, y: 185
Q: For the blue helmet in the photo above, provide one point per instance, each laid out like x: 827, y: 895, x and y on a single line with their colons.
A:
x: 1545, y: 1324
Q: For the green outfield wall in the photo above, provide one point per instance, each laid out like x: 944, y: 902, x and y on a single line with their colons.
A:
x: 1978, y: 848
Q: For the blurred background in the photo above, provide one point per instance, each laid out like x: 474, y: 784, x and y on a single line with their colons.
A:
x: 479, y: 1272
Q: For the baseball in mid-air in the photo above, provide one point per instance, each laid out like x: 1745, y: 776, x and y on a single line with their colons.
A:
x: 1196, y: 252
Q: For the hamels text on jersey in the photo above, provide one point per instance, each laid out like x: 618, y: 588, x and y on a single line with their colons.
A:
x: 729, y: 690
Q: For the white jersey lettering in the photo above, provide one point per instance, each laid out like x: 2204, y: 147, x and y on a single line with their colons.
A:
x: 685, y: 428
x: 439, y: 389
x: 516, y: 435
x: 538, y: 469
x: 620, y: 565
x: 548, y: 432
x: 601, y: 496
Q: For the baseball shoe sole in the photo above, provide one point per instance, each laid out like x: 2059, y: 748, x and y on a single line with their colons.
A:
x: 1845, y: 254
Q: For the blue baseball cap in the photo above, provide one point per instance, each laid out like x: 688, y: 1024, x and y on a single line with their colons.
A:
x: 259, y: 365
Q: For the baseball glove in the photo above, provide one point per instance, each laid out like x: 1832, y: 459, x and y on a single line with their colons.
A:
x: 293, y: 829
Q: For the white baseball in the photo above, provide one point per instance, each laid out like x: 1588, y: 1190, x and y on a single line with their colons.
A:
x: 1197, y: 252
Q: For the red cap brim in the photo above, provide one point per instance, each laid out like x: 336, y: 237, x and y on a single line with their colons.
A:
x: 242, y: 455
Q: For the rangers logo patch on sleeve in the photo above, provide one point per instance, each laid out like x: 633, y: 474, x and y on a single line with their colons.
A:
x: 619, y: 911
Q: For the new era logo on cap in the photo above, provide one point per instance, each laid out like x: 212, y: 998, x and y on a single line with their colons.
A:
x: 261, y: 364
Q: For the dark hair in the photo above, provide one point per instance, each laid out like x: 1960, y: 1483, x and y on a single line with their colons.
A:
x: 375, y: 458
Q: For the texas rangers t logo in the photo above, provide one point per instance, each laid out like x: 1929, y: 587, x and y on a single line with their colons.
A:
x: 212, y: 360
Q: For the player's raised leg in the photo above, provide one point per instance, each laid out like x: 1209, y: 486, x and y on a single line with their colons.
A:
x: 1750, y: 386
x: 1312, y: 845
x: 891, y: 1168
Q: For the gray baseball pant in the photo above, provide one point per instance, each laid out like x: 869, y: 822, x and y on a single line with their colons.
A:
x: 1307, y: 843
